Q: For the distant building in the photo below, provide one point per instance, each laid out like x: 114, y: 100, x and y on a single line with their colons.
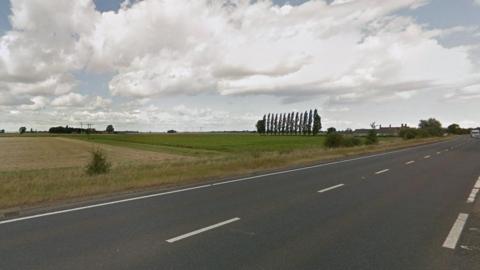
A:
x: 361, y: 131
x: 381, y: 131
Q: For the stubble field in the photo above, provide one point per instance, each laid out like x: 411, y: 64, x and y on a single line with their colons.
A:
x: 47, y: 169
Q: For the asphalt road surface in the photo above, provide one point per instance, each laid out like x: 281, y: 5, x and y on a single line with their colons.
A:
x: 408, y: 209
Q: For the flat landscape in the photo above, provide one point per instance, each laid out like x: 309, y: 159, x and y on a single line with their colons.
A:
x: 45, y: 169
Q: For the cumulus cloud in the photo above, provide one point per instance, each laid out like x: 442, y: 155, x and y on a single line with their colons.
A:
x: 69, y: 100
x: 346, y: 52
x: 228, y: 47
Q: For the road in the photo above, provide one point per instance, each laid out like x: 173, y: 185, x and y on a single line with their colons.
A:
x: 408, y: 209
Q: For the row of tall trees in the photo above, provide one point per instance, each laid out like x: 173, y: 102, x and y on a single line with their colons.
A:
x: 293, y: 123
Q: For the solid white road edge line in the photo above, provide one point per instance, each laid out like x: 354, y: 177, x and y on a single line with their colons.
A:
x: 183, y: 236
x: 330, y: 188
x: 210, y: 185
x: 472, y: 196
x: 455, y: 232
x: 101, y: 204
x: 409, y: 162
x: 477, y: 184
x: 382, y: 171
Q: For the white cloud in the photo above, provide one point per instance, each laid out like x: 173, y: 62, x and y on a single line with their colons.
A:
x: 346, y: 52
x: 69, y: 100
x: 347, y: 48
x: 189, y: 47
x: 37, y: 103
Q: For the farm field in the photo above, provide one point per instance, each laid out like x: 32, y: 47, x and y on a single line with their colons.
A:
x: 46, y: 169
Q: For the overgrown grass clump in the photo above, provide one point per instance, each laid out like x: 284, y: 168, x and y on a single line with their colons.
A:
x: 98, y: 164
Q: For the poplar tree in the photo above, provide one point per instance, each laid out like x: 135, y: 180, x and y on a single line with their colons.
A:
x: 268, y: 124
x: 296, y: 123
x: 305, y: 122
x: 317, y: 123
x: 309, y: 126
x: 300, y: 124
x: 290, y: 127
x: 272, y: 124
x: 264, y: 119
x: 289, y: 120
x: 275, y: 124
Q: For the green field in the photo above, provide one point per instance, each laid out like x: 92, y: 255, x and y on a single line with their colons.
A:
x: 228, y: 143
x: 45, y: 169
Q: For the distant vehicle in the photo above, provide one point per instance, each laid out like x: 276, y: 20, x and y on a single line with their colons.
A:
x: 475, y: 133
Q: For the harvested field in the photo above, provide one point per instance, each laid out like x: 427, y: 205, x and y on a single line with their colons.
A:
x: 44, y: 170
x: 33, y: 153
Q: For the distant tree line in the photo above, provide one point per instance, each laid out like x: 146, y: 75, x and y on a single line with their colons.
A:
x: 293, y: 123
x: 70, y: 130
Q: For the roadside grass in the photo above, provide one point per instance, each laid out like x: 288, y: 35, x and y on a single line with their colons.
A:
x: 20, y: 188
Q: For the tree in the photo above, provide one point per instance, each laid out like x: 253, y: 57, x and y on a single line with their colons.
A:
x: 268, y: 124
x: 272, y: 129
x: 260, y: 126
x: 264, y: 123
x: 309, y: 126
x: 275, y: 124
x: 331, y: 130
x: 296, y: 123
x: 305, y: 122
x: 300, y: 124
x: 317, y: 124
x: 432, y: 127
x: 289, y: 122
x: 292, y: 122
x: 22, y: 130
x: 454, y: 129
x: 2, y: 130
x: 110, y: 129
x: 280, y: 123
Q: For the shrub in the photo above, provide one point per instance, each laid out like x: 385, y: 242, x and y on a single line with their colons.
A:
x: 423, y: 133
x: 371, y: 137
x: 333, y: 139
x: 350, y: 141
x: 408, y: 133
x: 98, y: 164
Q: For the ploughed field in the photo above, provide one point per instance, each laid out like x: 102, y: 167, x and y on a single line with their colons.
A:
x: 47, y: 169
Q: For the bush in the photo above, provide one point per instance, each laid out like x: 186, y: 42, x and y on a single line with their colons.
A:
x: 351, y: 141
x: 371, y: 137
x: 333, y: 140
x: 408, y: 133
x: 98, y: 163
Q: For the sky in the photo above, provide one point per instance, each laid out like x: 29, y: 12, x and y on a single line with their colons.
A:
x: 200, y: 65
